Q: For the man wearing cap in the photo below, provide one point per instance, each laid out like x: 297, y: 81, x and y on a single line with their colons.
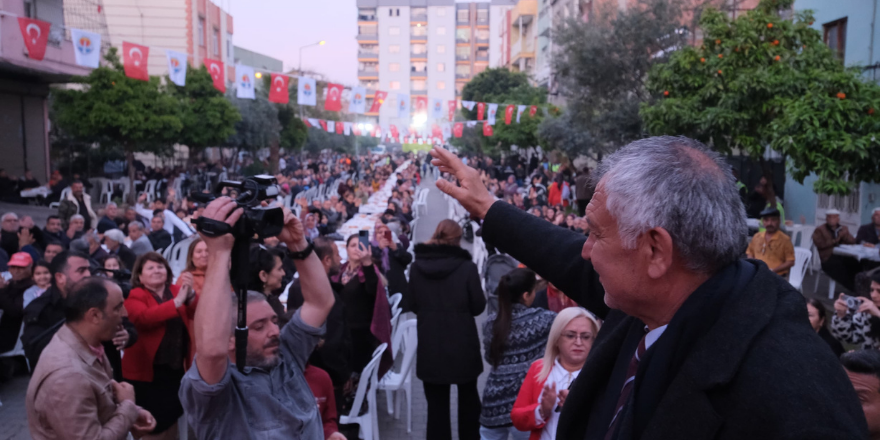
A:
x: 772, y: 246
x: 12, y: 305
x: 869, y: 235
x: 114, y: 239
x: 840, y: 268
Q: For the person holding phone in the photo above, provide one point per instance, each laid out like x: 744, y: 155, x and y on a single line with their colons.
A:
x: 858, y: 325
x: 392, y: 260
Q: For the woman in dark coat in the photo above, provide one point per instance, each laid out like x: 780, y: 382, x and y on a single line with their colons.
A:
x: 446, y: 295
x: 392, y: 259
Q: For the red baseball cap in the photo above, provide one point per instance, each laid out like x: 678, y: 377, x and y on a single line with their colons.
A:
x: 21, y: 259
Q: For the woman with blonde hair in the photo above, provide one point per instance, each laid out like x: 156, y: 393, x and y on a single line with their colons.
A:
x: 546, y: 385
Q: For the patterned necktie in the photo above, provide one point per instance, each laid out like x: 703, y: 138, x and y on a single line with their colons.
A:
x: 626, y: 391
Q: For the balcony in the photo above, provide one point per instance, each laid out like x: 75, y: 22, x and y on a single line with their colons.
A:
x: 368, y: 72
x: 368, y: 54
x: 482, y: 57
x: 420, y: 55
x: 519, y: 50
x: 482, y: 41
x: 525, y: 10
x: 368, y: 37
x: 462, y: 75
x: 418, y: 74
x: 419, y: 17
x: 462, y: 40
x: 420, y: 38
x: 463, y: 58
x: 419, y: 92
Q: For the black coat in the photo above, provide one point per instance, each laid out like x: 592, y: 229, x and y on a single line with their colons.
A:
x: 126, y: 255
x: 396, y: 274
x: 445, y: 294
x: 11, y: 301
x: 760, y: 372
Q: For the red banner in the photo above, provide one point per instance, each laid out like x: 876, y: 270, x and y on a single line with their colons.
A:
x: 340, y: 127
x: 421, y: 104
x: 306, y: 121
x: 279, y: 92
x: 323, y: 124
x: 134, y: 60
x: 436, y: 131
x: 452, y: 107
x: 481, y: 108
x: 487, y: 130
x: 457, y: 129
x: 36, y: 36
x: 508, y: 113
x: 532, y: 110
x: 215, y: 68
x: 333, y: 102
x: 393, y: 130
x: 378, y: 100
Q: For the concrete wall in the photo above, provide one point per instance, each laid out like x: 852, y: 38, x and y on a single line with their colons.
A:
x: 388, y: 112
x: 441, y: 16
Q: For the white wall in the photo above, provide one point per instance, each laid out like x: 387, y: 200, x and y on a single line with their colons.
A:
x: 388, y: 112
x: 496, y: 18
x: 447, y: 21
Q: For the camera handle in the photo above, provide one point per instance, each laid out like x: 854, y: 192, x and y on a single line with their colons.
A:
x: 238, y: 276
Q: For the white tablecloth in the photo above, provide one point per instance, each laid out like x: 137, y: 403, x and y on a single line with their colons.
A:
x: 38, y: 191
x: 858, y: 252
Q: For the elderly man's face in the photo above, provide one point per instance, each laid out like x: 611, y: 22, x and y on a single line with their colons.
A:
x: 10, y: 223
x: 111, y: 211
x: 833, y: 220
x: 771, y: 224
x: 77, y: 224
x: 134, y: 233
x: 131, y: 215
x: 876, y: 218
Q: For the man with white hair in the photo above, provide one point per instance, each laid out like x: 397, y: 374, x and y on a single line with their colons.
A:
x: 108, y: 221
x: 826, y: 237
x: 76, y: 227
x: 9, y: 232
x: 114, y: 239
x: 699, y: 343
x: 140, y: 243
x: 869, y: 234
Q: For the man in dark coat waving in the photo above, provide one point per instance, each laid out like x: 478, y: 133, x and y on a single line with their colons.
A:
x: 698, y: 342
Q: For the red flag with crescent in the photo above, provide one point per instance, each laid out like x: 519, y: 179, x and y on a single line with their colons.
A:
x: 378, y: 99
x: 421, y: 104
x: 278, y: 93
x: 340, y: 127
x: 134, y: 60
x: 36, y: 36
x: 452, y: 107
x: 481, y: 108
x: 532, y: 110
x: 333, y: 101
x: 508, y: 113
x: 458, y: 129
x: 215, y: 68
x: 487, y: 130
x: 323, y: 124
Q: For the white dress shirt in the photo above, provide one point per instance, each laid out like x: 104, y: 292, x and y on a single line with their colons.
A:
x: 563, y: 379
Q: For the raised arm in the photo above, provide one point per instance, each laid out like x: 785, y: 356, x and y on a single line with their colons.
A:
x: 316, y: 291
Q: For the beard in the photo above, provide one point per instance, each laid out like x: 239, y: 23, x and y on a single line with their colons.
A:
x: 257, y: 358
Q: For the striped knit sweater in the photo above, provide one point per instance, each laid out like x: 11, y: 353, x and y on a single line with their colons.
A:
x: 529, y: 330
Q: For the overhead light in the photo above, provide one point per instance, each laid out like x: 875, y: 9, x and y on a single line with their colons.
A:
x: 360, y: 126
x: 420, y: 119
x: 418, y: 25
x: 259, y: 75
x: 322, y: 42
x: 369, y: 127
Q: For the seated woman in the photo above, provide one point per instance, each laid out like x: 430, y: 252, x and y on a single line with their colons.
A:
x: 546, y: 384
x: 816, y: 313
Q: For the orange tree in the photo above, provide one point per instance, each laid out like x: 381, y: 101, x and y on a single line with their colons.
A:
x: 760, y: 81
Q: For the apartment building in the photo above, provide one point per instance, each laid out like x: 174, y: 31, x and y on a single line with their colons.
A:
x: 198, y: 28
x: 424, y: 48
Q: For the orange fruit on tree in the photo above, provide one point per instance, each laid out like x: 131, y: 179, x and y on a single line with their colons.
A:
x: 719, y: 71
x: 717, y: 41
x: 777, y: 58
x: 769, y: 25
x: 666, y: 93
x: 841, y: 95
x: 702, y: 60
x: 870, y: 111
x: 720, y: 55
x: 776, y: 42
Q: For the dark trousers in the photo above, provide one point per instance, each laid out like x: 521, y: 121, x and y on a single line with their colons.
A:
x: 843, y: 270
x: 439, y: 425
x: 582, y: 207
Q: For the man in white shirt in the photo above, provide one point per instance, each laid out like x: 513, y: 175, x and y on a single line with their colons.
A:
x: 171, y: 221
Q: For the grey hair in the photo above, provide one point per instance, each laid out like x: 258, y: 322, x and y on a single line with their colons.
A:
x: 137, y: 224
x: 113, y: 204
x: 251, y: 297
x: 9, y: 214
x: 77, y: 217
x: 677, y: 184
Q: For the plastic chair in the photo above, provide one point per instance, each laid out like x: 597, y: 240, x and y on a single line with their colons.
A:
x: 176, y: 255
x: 796, y: 275
x: 395, y: 320
x: 18, y: 349
x: 401, y: 381
x: 394, y: 301
x: 106, y: 191
x: 150, y: 190
x: 368, y: 421
x: 64, y: 192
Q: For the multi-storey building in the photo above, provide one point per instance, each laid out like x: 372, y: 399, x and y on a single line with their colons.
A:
x: 424, y: 48
x: 198, y: 28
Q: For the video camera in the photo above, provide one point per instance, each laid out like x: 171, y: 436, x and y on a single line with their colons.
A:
x: 264, y: 222
x: 122, y: 277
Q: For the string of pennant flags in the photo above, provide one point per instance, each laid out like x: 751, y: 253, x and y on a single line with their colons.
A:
x: 87, y: 50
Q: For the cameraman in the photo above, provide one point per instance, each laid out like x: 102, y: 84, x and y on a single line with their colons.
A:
x: 860, y: 326
x: 271, y: 399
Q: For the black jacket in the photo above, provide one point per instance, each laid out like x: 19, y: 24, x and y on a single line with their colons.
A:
x: 160, y: 239
x: 396, y: 274
x: 126, y: 255
x: 445, y: 294
x: 334, y: 356
x: 867, y: 233
x: 11, y: 301
x: 760, y: 372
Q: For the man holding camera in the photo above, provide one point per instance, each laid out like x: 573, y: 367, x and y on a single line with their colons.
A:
x: 270, y: 399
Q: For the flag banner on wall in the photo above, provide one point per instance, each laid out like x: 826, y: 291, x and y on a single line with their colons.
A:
x: 468, y: 105
x: 36, y: 36
x: 471, y: 124
x: 493, y: 109
x: 378, y: 100
x: 87, y: 47
x: 333, y: 100
x: 340, y: 127
x: 306, y: 91
x: 244, y: 82
x: 508, y: 114
x: 446, y: 129
x: 487, y: 130
x: 458, y: 129
x: 314, y: 122
x: 331, y: 126
x: 215, y: 68
x: 481, y: 110
x: 393, y: 130
x: 519, y: 111
x: 436, y: 131
x: 421, y: 106
x: 437, y: 108
x: 134, y: 60
x: 177, y: 65
x: 402, y: 106
x: 533, y: 110
x: 279, y: 92
x: 323, y: 124
x: 346, y: 128
x: 358, y: 102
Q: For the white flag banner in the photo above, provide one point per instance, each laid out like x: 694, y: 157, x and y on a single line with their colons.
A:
x: 471, y: 123
x: 468, y: 104
x: 306, y: 91
x: 87, y: 47
x: 403, y: 106
x: 437, y: 108
x: 177, y: 65
x: 357, y: 102
x: 314, y: 122
x: 493, y: 108
x: 519, y: 111
x: 346, y: 128
x: 331, y: 126
x: 244, y: 82
x: 447, y: 130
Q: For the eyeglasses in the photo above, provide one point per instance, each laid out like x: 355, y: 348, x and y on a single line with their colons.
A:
x: 571, y: 337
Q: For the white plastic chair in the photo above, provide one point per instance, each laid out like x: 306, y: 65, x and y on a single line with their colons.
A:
x: 401, y: 381
x: 395, y: 320
x: 106, y: 190
x: 799, y: 270
x: 64, y: 192
x: 150, y: 190
x: 368, y: 421
x: 176, y: 255
x: 394, y: 301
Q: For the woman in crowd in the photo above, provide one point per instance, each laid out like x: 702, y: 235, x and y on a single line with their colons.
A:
x: 196, y: 265
x: 392, y: 259
x: 446, y: 296
x: 111, y: 262
x: 513, y: 338
x: 816, y: 313
x: 547, y: 382
x: 42, y: 281
x: 860, y: 326
x: 156, y: 363
x: 559, y: 192
x: 267, y: 275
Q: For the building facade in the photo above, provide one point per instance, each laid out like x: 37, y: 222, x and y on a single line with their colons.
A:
x: 424, y: 48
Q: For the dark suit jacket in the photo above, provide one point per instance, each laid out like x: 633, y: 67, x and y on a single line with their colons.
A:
x: 867, y: 234
x: 760, y: 372
x: 127, y: 256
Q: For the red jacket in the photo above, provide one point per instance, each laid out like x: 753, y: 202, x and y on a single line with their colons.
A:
x: 322, y: 388
x: 523, y: 413
x: 554, y: 195
x: 148, y: 317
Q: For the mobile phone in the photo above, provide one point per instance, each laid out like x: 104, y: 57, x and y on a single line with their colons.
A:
x: 387, y: 235
x: 364, y: 238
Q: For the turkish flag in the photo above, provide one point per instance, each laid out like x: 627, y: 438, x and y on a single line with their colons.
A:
x: 323, y: 124
x: 487, y: 130
x: 215, y: 68
x: 333, y: 101
x: 378, y: 99
x: 393, y: 130
x: 458, y: 129
x: 134, y: 60
x: 306, y: 121
x: 481, y: 108
x: 355, y: 130
x: 452, y: 107
x: 421, y: 104
x: 36, y: 36
x: 436, y: 131
x: 508, y: 113
x: 279, y: 93
x: 340, y: 127
x: 532, y: 110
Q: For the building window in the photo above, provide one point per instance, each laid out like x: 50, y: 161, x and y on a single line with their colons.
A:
x: 215, y: 42
x: 419, y: 49
x: 202, y: 32
x: 418, y: 85
x: 441, y: 49
x: 394, y: 85
x: 394, y: 67
x: 419, y: 13
x: 462, y: 70
x: 482, y: 16
x: 369, y: 49
x: 368, y: 66
x: 393, y: 30
x: 441, y: 30
x: 462, y: 52
x: 441, y: 67
x: 366, y: 14
x: 482, y: 34
x: 463, y: 35
x: 835, y: 37
x: 419, y: 67
x: 230, y: 49
x: 418, y: 30
x: 394, y: 48
x: 367, y: 29
x: 462, y: 15
x: 441, y: 85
